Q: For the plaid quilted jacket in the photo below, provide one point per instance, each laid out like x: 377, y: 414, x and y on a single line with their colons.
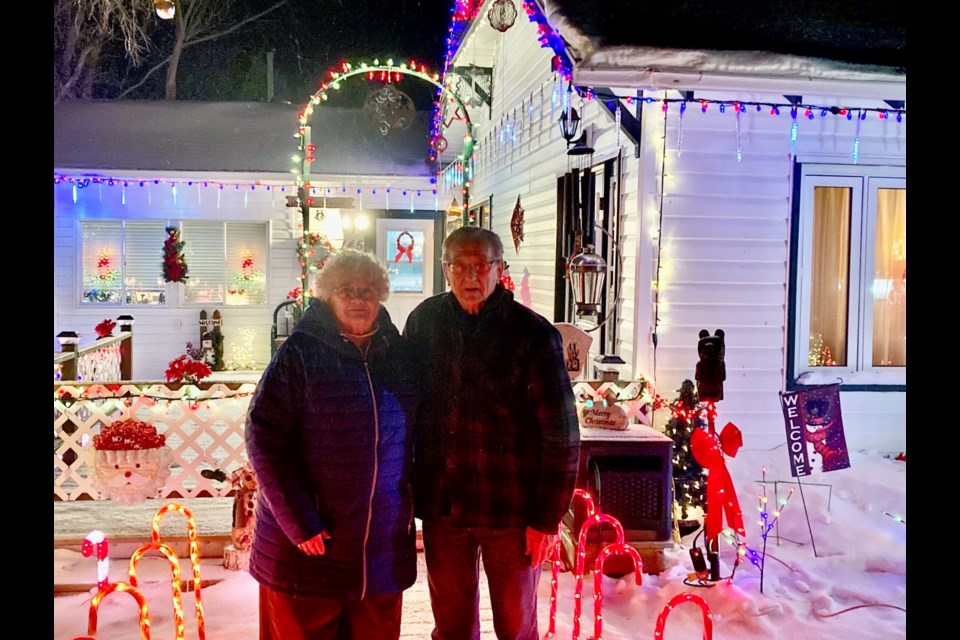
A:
x: 496, y: 439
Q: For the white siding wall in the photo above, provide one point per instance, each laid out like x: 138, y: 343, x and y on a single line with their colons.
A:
x: 161, y: 333
x: 530, y: 169
x: 724, y: 255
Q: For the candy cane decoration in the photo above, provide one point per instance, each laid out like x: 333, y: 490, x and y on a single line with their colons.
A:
x: 96, y: 542
x: 175, y: 580
x: 595, y: 520
x: 554, y: 583
x: 133, y: 591
x: 194, y: 554
x: 678, y: 599
x: 606, y: 552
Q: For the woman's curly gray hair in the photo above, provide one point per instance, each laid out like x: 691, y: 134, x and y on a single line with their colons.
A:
x: 350, y: 264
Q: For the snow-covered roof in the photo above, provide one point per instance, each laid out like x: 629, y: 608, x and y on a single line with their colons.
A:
x: 809, y: 40
x: 252, y: 137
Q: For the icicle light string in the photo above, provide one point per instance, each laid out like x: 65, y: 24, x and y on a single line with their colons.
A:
x: 808, y: 111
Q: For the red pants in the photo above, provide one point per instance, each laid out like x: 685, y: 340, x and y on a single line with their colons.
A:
x: 285, y: 617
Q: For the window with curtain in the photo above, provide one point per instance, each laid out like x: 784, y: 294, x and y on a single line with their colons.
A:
x: 227, y: 262
x: 121, y: 262
x: 851, y: 276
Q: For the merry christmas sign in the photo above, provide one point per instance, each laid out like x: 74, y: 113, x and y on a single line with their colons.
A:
x: 814, y: 429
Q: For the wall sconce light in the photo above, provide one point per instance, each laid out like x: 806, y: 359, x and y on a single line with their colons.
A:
x: 569, y: 125
x: 166, y: 9
x: 587, y: 272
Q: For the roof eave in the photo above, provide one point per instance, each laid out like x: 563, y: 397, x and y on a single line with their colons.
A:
x: 884, y: 87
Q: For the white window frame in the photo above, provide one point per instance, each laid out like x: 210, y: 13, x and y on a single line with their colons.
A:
x: 863, y: 182
x: 226, y: 272
x: 87, y: 304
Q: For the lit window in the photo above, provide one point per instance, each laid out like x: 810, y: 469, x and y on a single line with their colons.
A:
x: 226, y: 262
x: 851, y: 276
x: 121, y: 262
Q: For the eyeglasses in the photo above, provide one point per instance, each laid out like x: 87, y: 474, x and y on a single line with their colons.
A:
x: 481, y: 268
x: 351, y: 293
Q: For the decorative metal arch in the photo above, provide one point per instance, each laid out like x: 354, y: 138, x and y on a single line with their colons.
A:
x: 305, y: 147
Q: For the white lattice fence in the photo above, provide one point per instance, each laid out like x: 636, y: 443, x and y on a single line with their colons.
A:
x: 634, y: 397
x: 100, y: 363
x: 203, y: 425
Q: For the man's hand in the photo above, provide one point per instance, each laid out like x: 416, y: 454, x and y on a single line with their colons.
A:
x: 539, y: 546
x: 314, y: 546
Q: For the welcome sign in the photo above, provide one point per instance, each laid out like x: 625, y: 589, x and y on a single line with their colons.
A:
x: 814, y: 429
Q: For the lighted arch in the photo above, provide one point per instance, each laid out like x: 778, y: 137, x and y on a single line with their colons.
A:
x: 305, y: 147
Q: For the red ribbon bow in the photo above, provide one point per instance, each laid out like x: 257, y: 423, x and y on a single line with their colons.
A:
x: 401, y: 250
x: 708, y: 450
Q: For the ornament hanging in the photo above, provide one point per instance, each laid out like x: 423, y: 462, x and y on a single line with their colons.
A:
x: 683, y: 108
x: 516, y: 225
x: 502, y: 15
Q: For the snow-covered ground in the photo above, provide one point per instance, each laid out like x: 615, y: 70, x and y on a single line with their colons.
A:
x: 852, y: 586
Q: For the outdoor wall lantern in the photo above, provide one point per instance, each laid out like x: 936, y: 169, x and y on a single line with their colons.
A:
x: 569, y: 125
x: 587, y: 272
x: 166, y: 9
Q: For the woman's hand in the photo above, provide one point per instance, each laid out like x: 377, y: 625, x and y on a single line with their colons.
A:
x: 314, y: 546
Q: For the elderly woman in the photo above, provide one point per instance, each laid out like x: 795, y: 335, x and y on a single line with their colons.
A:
x: 328, y: 434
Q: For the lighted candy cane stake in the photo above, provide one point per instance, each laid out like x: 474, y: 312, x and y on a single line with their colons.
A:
x: 679, y: 599
x: 194, y: 554
x: 606, y: 552
x: 554, y: 584
x: 596, y: 520
x: 175, y: 580
x: 133, y: 591
x: 96, y: 542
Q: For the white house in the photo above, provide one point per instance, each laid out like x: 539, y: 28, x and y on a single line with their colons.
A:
x: 221, y: 174
x: 759, y: 193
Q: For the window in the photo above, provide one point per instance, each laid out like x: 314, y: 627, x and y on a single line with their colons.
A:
x: 851, y: 276
x: 226, y: 262
x: 121, y: 262
x: 406, y: 270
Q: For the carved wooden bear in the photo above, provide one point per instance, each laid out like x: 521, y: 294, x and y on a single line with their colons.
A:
x: 244, y: 483
x: 711, y: 370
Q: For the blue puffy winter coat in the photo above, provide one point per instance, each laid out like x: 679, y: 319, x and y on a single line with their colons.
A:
x: 328, y: 433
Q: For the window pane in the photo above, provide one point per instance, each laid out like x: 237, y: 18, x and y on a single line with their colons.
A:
x: 203, y: 253
x: 830, y: 276
x: 102, y: 261
x: 246, y: 263
x: 405, y: 265
x: 143, y: 262
x: 890, y: 280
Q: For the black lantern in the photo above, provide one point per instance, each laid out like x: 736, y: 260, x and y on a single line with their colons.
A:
x: 587, y: 272
x: 502, y: 14
x: 569, y: 125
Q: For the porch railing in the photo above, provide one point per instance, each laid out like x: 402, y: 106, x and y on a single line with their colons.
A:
x: 105, y: 359
x: 203, y: 425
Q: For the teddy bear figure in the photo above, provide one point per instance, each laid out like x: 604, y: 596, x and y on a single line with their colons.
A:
x: 711, y: 369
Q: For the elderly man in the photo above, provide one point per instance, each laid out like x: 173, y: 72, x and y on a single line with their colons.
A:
x: 496, y: 445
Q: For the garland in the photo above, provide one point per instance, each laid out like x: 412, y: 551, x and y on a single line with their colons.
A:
x: 174, y: 264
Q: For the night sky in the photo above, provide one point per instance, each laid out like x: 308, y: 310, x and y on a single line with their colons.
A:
x: 309, y: 37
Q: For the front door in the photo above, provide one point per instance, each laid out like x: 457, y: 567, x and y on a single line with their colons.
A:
x: 406, y: 247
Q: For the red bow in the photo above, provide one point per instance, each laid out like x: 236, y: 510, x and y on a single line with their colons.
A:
x: 708, y: 450
x: 401, y: 250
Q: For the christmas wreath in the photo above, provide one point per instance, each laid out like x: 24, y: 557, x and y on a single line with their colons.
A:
x: 174, y: 264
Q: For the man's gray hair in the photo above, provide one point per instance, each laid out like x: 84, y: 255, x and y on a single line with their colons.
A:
x: 473, y: 235
x: 350, y: 264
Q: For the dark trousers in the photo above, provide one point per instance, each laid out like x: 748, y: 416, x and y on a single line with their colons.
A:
x: 453, y: 573
x: 286, y: 617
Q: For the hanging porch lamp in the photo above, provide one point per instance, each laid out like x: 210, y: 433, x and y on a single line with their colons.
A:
x: 569, y: 125
x: 587, y: 272
x: 502, y: 15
